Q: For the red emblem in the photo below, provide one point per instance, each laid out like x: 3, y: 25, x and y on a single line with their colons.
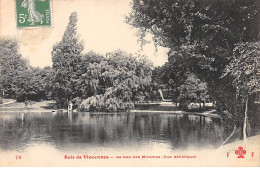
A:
x: 240, y: 152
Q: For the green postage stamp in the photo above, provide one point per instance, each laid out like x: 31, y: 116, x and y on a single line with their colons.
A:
x: 33, y: 13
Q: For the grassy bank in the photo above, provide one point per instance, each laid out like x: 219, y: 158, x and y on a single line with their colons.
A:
x: 32, y: 106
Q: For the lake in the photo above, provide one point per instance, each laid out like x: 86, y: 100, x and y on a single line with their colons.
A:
x: 81, y: 132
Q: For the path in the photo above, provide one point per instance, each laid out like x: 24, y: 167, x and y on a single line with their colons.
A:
x: 8, y: 102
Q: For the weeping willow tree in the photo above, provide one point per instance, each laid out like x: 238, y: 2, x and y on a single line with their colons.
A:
x: 111, y: 83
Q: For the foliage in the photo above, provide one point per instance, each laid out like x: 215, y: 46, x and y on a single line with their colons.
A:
x: 177, y: 22
x: 18, y: 79
x: 204, y: 34
x: 66, y: 57
x: 31, y: 84
x: 245, y: 67
x: 112, y: 83
x: 12, y: 64
x: 173, y: 73
x: 90, y: 69
x: 243, y: 73
x: 185, y: 87
x: 105, y: 102
x: 193, y: 90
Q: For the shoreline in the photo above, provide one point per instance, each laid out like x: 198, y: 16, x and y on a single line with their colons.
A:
x: 42, y: 106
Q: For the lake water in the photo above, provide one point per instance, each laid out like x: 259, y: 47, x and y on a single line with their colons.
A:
x: 80, y: 132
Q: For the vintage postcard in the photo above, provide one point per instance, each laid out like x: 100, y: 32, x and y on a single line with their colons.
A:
x: 124, y: 83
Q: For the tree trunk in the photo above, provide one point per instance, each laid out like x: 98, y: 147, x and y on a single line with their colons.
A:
x: 229, y: 136
x: 245, y: 123
x: 1, y: 96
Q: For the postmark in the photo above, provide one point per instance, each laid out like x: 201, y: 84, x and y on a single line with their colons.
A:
x: 33, y: 13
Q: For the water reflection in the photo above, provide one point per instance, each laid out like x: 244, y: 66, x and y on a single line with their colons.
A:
x: 81, y: 130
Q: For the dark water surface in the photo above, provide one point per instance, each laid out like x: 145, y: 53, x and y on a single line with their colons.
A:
x: 67, y: 132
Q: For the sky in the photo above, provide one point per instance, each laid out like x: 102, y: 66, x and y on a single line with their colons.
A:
x: 101, y: 27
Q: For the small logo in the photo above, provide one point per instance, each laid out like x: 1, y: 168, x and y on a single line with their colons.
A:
x: 240, y: 152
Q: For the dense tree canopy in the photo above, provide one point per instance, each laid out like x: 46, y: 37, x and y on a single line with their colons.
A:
x: 12, y: 64
x: 116, y: 77
x: 205, y: 31
x: 31, y: 84
x: 178, y: 22
x: 245, y: 67
x: 192, y: 90
x: 113, y: 82
x: 183, y: 86
x: 19, y: 80
x: 213, y: 38
x: 243, y: 74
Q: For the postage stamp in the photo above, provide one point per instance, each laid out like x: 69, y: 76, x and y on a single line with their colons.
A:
x: 33, y: 13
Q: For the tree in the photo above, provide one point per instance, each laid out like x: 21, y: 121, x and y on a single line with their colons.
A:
x: 115, y: 81
x: 19, y: 80
x: 174, y: 73
x: 177, y: 22
x: 12, y: 64
x: 192, y: 90
x: 31, y: 84
x: 90, y: 70
x: 205, y: 33
x: 66, y: 57
x: 184, y: 87
x: 244, y: 69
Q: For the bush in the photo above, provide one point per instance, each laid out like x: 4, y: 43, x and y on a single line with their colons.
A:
x: 101, y: 103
